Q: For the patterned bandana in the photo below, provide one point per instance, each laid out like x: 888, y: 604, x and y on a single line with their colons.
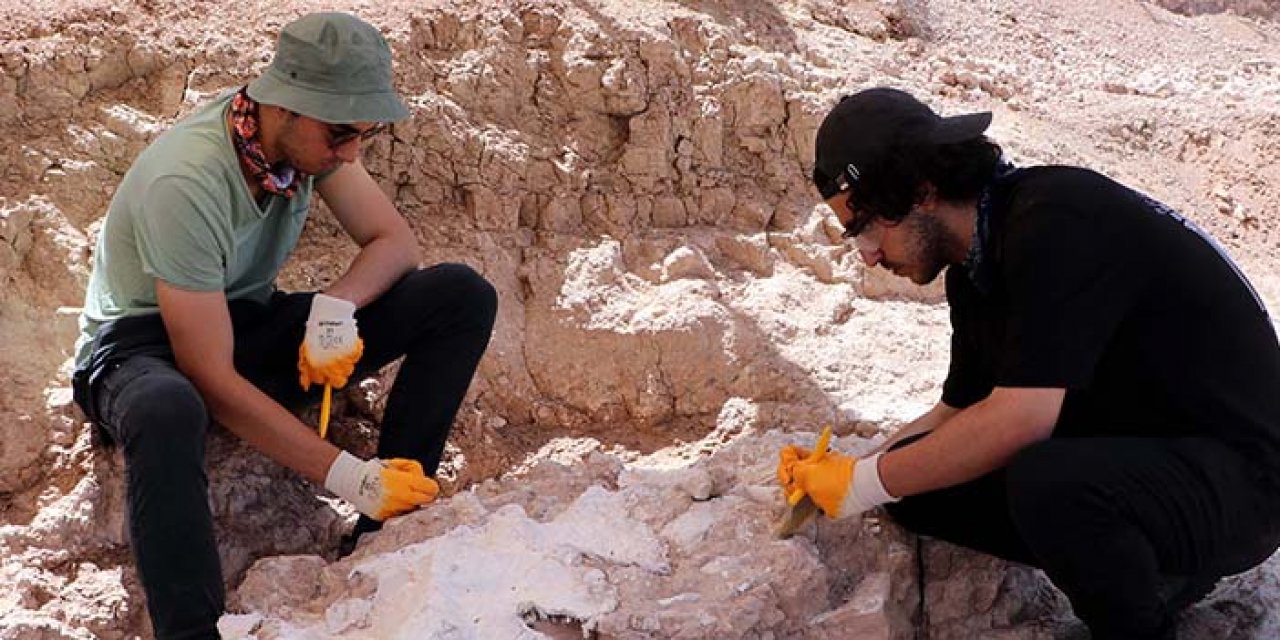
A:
x: 977, y: 263
x: 244, y: 134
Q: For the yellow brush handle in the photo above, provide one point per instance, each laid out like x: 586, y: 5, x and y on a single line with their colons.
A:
x: 818, y: 453
x: 324, y: 410
x: 824, y: 441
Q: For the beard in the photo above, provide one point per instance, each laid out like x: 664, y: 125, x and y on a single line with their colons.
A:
x: 296, y: 159
x: 930, y: 245
x: 295, y: 153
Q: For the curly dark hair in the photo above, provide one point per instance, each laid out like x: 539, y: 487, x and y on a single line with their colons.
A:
x: 891, y: 187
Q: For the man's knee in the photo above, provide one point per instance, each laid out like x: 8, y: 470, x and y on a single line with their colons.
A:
x: 479, y: 293
x: 917, y: 514
x: 1047, y: 485
x: 472, y: 294
x: 913, y: 514
x: 165, y: 420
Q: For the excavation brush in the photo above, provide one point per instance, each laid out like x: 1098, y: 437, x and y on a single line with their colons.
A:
x: 800, y: 507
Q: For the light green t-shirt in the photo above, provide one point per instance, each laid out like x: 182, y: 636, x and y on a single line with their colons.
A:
x: 184, y: 214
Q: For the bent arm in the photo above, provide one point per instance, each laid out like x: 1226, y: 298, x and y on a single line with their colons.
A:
x: 200, y: 333
x: 388, y: 249
x: 973, y: 441
x: 939, y: 414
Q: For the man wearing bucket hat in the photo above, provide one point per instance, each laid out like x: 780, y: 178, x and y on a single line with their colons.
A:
x: 183, y: 324
x: 1110, y: 414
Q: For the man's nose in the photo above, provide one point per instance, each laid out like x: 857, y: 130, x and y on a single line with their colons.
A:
x: 868, y: 249
x: 870, y: 257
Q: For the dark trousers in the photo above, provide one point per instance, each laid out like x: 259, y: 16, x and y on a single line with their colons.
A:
x: 438, y: 318
x: 1112, y: 522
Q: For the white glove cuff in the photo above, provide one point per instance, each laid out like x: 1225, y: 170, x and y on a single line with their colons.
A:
x: 866, y: 480
x: 868, y: 491
x: 344, y: 474
x: 325, y: 307
x: 347, y: 480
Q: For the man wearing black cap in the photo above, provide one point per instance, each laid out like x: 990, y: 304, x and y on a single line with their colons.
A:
x: 182, y: 322
x: 1111, y: 412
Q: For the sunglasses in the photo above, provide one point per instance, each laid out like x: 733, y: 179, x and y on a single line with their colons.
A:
x: 856, y: 224
x: 843, y: 180
x: 340, y: 134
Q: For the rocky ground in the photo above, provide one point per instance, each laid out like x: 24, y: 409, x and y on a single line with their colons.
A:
x: 674, y: 305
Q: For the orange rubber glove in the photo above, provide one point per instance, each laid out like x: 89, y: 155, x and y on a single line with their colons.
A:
x: 331, y: 346
x: 380, y: 489
x: 840, y: 485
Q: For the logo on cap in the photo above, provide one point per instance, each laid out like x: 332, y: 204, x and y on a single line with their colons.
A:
x: 845, y: 179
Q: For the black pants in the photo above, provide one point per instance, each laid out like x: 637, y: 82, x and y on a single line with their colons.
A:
x: 1111, y: 521
x: 439, y: 319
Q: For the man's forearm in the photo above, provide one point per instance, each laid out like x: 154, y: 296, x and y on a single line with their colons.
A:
x: 924, y: 424
x: 270, y: 428
x: 201, y: 333
x: 379, y: 265
x: 973, y: 442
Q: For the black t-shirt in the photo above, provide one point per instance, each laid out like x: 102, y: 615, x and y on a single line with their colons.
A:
x: 1113, y: 296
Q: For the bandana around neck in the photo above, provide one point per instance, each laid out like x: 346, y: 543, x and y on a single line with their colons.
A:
x: 244, y: 134
x: 978, y: 263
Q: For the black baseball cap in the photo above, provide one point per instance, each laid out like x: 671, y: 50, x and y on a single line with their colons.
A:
x: 862, y: 127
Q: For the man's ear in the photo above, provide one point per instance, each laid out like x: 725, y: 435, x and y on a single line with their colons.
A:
x: 926, y: 197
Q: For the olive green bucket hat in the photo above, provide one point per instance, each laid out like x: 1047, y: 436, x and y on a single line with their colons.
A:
x: 333, y: 67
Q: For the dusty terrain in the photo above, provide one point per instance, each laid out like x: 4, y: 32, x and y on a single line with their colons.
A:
x: 631, y: 176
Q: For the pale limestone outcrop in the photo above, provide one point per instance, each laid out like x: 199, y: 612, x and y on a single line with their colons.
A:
x: 656, y: 550
x: 691, y: 554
